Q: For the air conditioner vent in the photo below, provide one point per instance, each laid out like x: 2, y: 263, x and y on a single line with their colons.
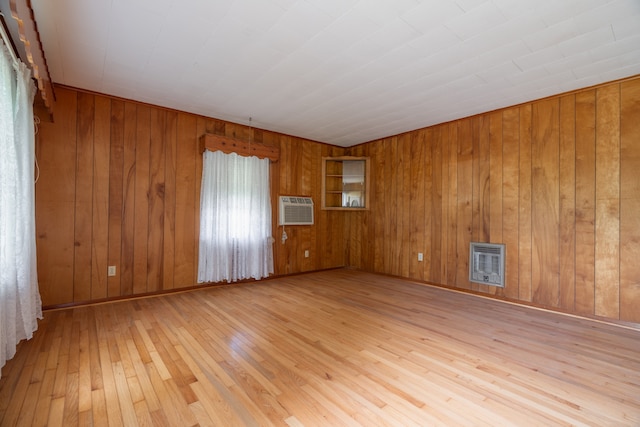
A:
x: 294, y: 210
x: 486, y: 263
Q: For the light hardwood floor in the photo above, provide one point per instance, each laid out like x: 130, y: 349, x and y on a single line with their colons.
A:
x: 333, y: 348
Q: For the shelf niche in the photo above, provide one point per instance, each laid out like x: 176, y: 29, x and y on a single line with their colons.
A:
x: 345, y: 183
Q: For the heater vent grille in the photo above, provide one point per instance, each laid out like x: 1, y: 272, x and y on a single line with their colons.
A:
x: 486, y: 263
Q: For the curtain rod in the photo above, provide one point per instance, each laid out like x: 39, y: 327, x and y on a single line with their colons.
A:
x: 7, y: 41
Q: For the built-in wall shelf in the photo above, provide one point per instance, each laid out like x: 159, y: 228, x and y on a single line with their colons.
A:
x: 345, y: 183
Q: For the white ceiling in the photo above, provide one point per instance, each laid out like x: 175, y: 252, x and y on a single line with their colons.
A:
x: 338, y: 71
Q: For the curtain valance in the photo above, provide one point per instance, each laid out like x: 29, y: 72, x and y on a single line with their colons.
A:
x: 228, y: 145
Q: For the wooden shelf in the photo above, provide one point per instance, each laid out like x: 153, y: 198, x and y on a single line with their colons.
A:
x: 345, y: 183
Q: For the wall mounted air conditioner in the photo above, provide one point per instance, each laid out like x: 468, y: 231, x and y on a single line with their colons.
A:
x: 486, y: 263
x: 293, y: 210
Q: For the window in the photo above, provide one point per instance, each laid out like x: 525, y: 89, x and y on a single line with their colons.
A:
x: 235, y: 218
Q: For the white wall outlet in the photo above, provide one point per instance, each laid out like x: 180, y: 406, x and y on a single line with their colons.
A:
x: 420, y: 256
x: 111, y: 270
x: 306, y: 253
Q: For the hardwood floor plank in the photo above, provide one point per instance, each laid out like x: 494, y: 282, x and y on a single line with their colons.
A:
x: 338, y: 347
x: 41, y: 411
x: 124, y: 396
x: 56, y: 412
x: 99, y: 408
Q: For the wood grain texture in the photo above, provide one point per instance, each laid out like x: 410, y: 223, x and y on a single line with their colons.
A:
x: 464, y: 217
x: 404, y: 206
x: 481, y: 182
x: 156, y: 195
x: 607, y: 250
x: 567, y: 177
x: 585, y: 200
x: 444, y: 233
x: 55, y: 203
x: 545, y: 201
x: 82, y: 263
x: 128, y: 199
x: 390, y: 218
x: 428, y: 220
x: 116, y: 203
x: 496, y: 196
x: 452, y: 204
x: 435, y: 256
x: 524, y: 211
x: 169, y: 236
x: 141, y: 208
x: 629, y: 201
x: 417, y: 202
x: 340, y: 347
x: 100, y: 220
x: 187, y: 157
x: 510, y: 198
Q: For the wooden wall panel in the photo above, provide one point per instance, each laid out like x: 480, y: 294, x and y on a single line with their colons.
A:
x: 141, y: 207
x: 120, y: 185
x: 168, y: 256
x: 116, y: 165
x: 495, y: 177
x: 155, y: 236
x: 389, y: 221
x: 417, y: 203
x: 495, y: 183
x: 100, y: 220
x: 84, y: 198
x: 524, y: 211
x: 607, y: 268
x: 377, y: 177
x: 545, y: 201
x: 567, y: 176
x: 187, y: 157
x: 510, y: 198
x: 444, y: 233
x: 128, y: 199
x: 425, y: 264
x: 464, y: 218
x: 585, y: 200
x: 435, y: 212
x: 481, y: 186
x: 555, y: 180
x: 452, y: 203
x: 306, y: 237
x: 404, y: 205
x: 630, y: 201
x: 55, y: 202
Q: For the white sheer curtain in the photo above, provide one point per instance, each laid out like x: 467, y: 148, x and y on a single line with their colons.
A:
x: 235, y: 218
x: 20, y: 304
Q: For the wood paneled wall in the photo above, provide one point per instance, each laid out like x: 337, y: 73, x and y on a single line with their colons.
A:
x: 120, y: 185
x: 557, y: 181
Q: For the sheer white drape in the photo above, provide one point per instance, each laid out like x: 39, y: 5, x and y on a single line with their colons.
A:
x: 235, y: 218
x: 20, y: 304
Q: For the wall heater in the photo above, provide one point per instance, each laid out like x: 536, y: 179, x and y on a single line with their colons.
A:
x: 486, y: 263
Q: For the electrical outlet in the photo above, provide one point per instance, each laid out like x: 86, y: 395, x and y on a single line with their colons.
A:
x: 111, y: 270
x: 306, y: 253
x: 420, y: 256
